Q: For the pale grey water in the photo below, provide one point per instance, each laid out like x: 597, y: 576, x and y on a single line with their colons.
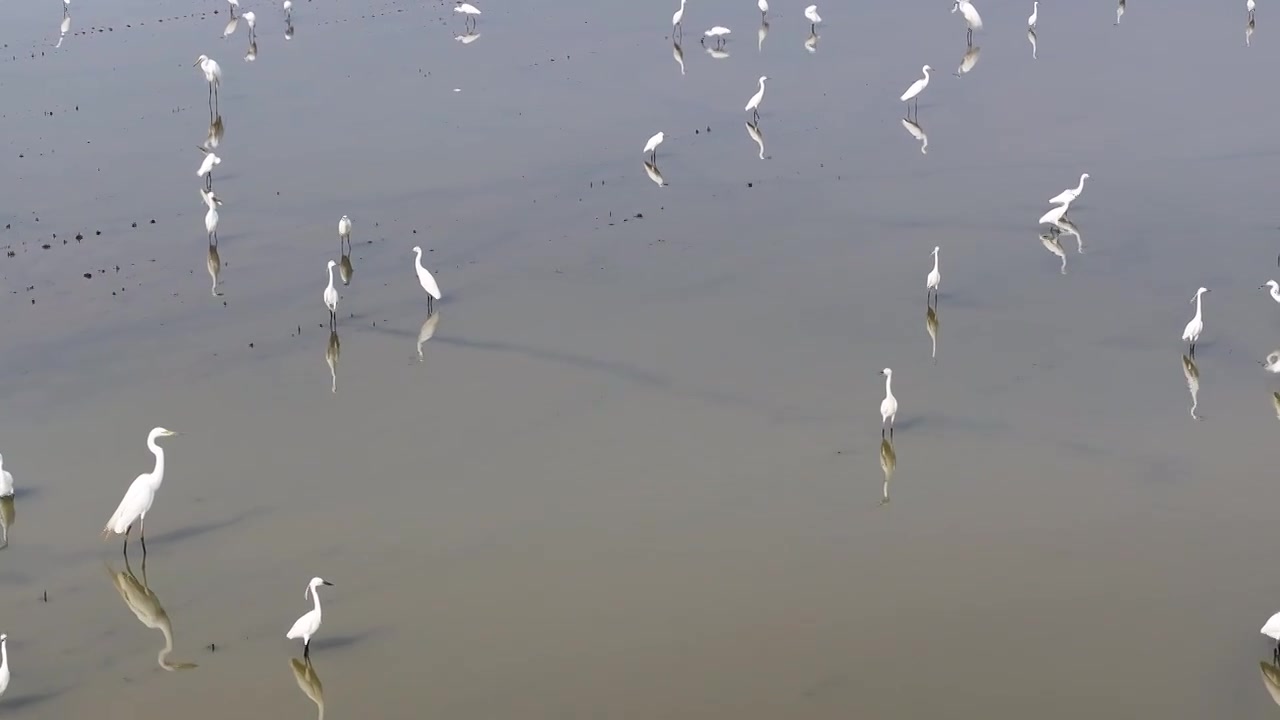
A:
x: 637, y: 472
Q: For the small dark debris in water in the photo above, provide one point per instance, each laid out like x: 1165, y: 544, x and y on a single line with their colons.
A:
x: 135, y: 225
x: 639, y: 215
x: 33, y: 301
x: 97, y: 232
x: 153, y: 221
x: 12, y: 253
x: 79, y: 236
x: 748, y: 184
x: 250, y: 344
x: 45, y: 596
x: 213, y: 647
x: 88, y: 276
x: 45, y: 246
x: 20, y: 155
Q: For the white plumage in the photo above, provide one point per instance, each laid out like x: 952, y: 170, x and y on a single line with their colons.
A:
x: 206, y: 165
x: 918, y: 86
x: 811, y: 14
x: 677, y: 16
x: 425, y: 279
x: 1054, y: 216
x: 1035, y: 13
x: 753, y: 105
x: 1070, y: 194
x: 141, y: 493
x: 211, y: 217
x: 970, y: 14
x: 331, y: 295
x: 931, y: 282
x: 4, y: 663
x: 888, y: 406
x: 6, y: 480
x: 764, y: 6
x: 344, y: 228
x: 1196, y: 326
x: 306, y: 626
x: 652, y: 145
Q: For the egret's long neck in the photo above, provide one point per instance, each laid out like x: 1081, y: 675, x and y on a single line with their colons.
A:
x: 1198, y: 307
x: 330, y: 277
x: 935, y: 262
x: 4, y: 654
x: 888, y: 386
x: 1275, y: 294
x: 1080, y: 186
x: 418, y: 255
x: 316, y: 597
x: 157, y: 473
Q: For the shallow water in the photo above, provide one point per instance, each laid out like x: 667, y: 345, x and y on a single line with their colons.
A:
x: 637, y: 470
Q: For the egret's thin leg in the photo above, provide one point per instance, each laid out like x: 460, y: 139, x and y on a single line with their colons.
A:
x: 126, y: 541
x: 890, y: 429
x: 306, y: 650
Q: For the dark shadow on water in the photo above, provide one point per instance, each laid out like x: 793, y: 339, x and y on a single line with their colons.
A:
x: 193, y: 531
x: 22, y: 494
x: 340, y: 641
x: 21, y: 702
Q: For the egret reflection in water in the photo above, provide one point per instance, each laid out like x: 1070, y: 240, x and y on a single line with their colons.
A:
x: 931, y: 326
x: 1119, y: 11
x: 213, y: 138
x: 1191, y: 372
x: 468, y: 37
x: 969, y: 59
x: 918, y: 133
x: 331, y: 354
x: 252, y: 53
x: 757, y: 136
x: 888, y: 463
x: 1031, y: 38
x: 345, y: 269
x: 1050, y: 242
x: 65, y: 25
x: 309, y: 682
x: 761, y: 34
x: 719, y: 53
x: 1248, y: 32
x: 214, y: 265
x: 7, y: 513
x: 232, y: 24
x: 144, y: 604
x: 1271, y: 680
x: 427, y: 331
x: 677, y: 52
x: 1070, y: 228
x: 811, y: 42
x: 654, y: 174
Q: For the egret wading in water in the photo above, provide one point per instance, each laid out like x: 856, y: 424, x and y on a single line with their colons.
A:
x: 1054, y: 216
x: 719, y: 32
x: 211, y: 217
x: 206, y: 167
x: 344, y: 231
x: 212, y: 75
x: 1250, y: 5
x: 1035, y: 14
x: 4, y: 663
x: 138, y: 498
x: 471, y: 12
x: 307, y: 625
x: 913, y: 92
x: 753, y: 105
x: 651, y: 147
x: 1275, y: 295
x: 1069, y: 195
x: 931, y: 282
x: 234, y: 4
x: 425, y: 279
x: 888, y: 406
x: 288, y: 9
x: 764, y: 8
x: 971, y: 17
x: 811, y: 14
x: 252, y: 19
x: 677, y: 20
x: 6, y: 480
x: 331, y: 298
x: 1196, y: 326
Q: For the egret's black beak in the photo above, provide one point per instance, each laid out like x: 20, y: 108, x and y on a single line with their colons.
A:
x: 326, y: 582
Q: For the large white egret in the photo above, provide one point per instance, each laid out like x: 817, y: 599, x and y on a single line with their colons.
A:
x: 1069, y: 195
x: 651, y: 146
x: 307, y: 625
x: 753, y: 105
x: 931, y: 282
x: 917, y: 87
x: 6, y: 480
x: 212, y: 75
x: 425, y: 279
x: 469, y: 11
x: 211, y: 217
x: 344, y: 229
x: 1035, y: 14
x: 331, y: 297
x: 811, y: 14
x: 1275, y: 295
x: 971, y: 16
x: 1196, y: 326
x: 677, y: 19
x: 138, y: 498
x: 888, y: 406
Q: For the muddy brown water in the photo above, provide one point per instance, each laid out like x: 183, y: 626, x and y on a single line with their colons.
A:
x: 636, y: 472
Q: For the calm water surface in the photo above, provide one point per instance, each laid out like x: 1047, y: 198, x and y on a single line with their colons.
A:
x: 637, y: 471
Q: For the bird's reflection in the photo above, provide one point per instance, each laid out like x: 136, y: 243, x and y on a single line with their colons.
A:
x: 252, y: 53
x: 757, y: 136
x: 651, y: 170
x: 931, y: 325
x: 331, y: 354
x: 677, y: 52
x: 345, y: 268
x: 1272, y: 363
x: 1119, y: 11
x: 1275, y: 400
x: 969, y: 60
x: 1271, y: 680
x: 719, y: 53
x: 7, y: 513
x: 1050, y: 242
x: 213, y: 138
x: 1248, y: 32
x: 811, y: 42
x: 1070, y: 228
x: 468, y: 37
x: 65, y: 25
x: 213, y: 263
x: 888, y: 463
x: 427, y: 331
x: 1031, y: 38
x: 232, y: 24
x: 139, y: 597
x: 761, y: 34
x: 917, y: 132
x: 1191, y: 372
x: 288, y: 28
x: 309, y: 682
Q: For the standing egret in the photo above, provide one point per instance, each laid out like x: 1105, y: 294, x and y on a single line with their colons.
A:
x: 1054, y: 216
x: 764, y: 7
x: 1069, y: 195
x: 677, y: 19
x: 753, y: 105
x: 344, y: 230
x: 651, y: 147
x: 1271, y: 629
x: 252, y: 19
x: 211, y: 217
x: 1035, y: 13
x: 888, y: 406
x: 971, y: 17
x: 234, y: 4
x: 206, y: 167
x: 1249, y: 5
x: 470, y: 11
x: 6, y: 480
x: 931, y: 282
x: 811, y: 14
x: 1275, y: 295
x: 212, y: 75
x: 288, y: 8
x: 913, y: 92
x: 719, y: 32
x: 141, y: 493
x: 308, y: 624
x: 425, y: 278
x: 4, y: 663
x: 331, y: 298
x: 1196, y: 326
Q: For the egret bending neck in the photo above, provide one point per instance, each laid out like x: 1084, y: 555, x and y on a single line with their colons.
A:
x: 157, y: 474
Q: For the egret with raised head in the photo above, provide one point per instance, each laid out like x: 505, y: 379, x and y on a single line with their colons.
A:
x: 1196, y: 326
x: 138, y: 498
x: 888, y: 406
x: 307, y: 625
x: 425, y: 278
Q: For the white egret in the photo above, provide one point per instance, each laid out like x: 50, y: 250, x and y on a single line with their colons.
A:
x: 1054, y: 216
x: 331, y: 297
x: 1272, y: 630
x: 1035, y: 14
x: 1069, y: 195
x: 917, y: 87
x: 138, y: 498
x: 63, y: 27
x: 764, y: 7
x: 471, y: 12
x: 427, y: 331
x: 425, y: 279
x: 931, y: 282
x: 6, y: 480
x: 651, y: 146
x: 719, y: 32
x: 1196, y: 326
x: 4, y: 663
x: 811, y: 14
x: 212, y: 75
x: 234, y: 4
x: 288, y: 7
x: 252, y: 19
x: 1272, y: 363
x: 677, y: 19
x: 918, y: 133
x: 1249, y: 5
x: 753, y: 105
x: 888, y: 406
x: 206, y: 167
x: 344, y: 230
x: 971, y: 17
x: 307, y: 625
x: 211, y: 217
x: 1275, y: 294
